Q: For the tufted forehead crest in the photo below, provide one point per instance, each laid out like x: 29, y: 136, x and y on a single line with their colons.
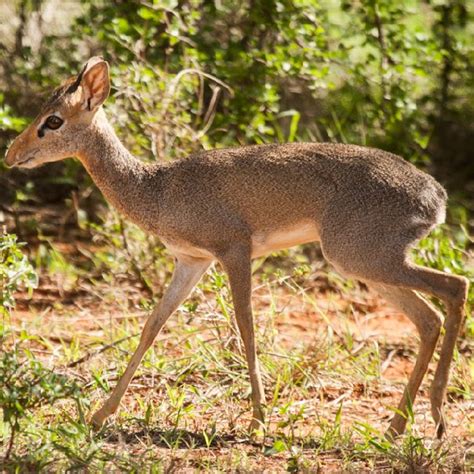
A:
x: 73, y: 87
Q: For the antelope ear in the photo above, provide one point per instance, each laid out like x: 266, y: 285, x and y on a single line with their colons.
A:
x: 95, y: 83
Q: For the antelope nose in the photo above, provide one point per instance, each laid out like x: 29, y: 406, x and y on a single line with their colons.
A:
x: 8, y: 159
x: 10, y: 156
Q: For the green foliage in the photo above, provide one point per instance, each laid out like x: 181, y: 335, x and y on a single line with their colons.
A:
x: 198, y: 74
x: 412, y: 454
x: 15, y: 271
x: 26, y: 385
x: 253, y: 47
x: 8, y: 121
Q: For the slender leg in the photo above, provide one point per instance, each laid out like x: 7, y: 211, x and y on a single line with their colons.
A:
x: 452, y: 291
x: 453, y: 324
x: 383, y: 260
x: 238, y: 266
x: 187, y: 273
x: 428, y: 322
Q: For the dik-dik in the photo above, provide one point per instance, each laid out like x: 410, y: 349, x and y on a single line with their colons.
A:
x: 366, y: 207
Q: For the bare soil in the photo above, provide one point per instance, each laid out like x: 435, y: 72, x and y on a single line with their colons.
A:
x: 304, y: 318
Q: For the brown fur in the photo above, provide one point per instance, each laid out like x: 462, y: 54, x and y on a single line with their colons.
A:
x: 366, y: 206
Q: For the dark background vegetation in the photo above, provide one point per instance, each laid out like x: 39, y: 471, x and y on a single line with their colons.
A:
x: 194, y: 74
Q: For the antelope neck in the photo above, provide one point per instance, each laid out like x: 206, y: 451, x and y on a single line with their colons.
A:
x: 127, y: 183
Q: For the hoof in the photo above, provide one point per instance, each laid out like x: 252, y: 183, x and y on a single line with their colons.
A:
x: 98, y: 420
x: 440, y: 429
x: 391, y: 434
x: 256, y: 426
x: 396, y: 428
x: 438, y: 418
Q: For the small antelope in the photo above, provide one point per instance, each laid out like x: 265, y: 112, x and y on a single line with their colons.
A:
x: 365, y: 206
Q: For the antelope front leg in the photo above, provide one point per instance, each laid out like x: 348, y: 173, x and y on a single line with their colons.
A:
x: 237, y: 264
x: 187, y: 273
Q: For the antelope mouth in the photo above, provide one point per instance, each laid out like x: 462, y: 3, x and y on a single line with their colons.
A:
x: 25, y: 161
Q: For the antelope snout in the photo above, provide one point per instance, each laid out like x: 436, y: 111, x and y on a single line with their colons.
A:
x: 19, y: 154
x: 14, y: 154
x: 10, y: 157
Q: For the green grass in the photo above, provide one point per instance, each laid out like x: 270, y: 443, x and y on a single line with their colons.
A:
x: 324, y: 367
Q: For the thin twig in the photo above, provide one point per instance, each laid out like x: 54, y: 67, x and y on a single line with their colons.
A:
x: 101, y: 350
x: 385, y: 364
x: 10, y: 442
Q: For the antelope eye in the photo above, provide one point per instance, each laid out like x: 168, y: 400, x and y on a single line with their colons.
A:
x: 53, y: 122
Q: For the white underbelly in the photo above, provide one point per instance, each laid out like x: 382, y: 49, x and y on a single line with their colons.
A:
x: 263, y: 242
x: 185, y: 248
x: 267, y: 242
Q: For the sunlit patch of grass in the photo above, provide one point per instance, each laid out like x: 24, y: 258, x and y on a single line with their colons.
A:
x: 412, y: 453
x: 188, y: 406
